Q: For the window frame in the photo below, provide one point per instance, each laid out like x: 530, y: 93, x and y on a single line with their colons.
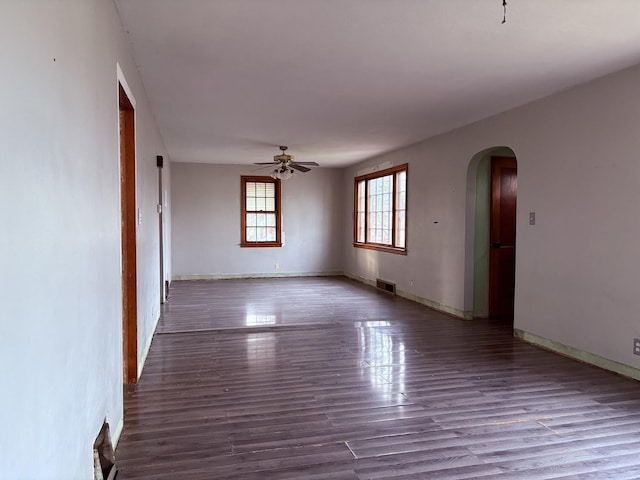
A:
x: 244, y: 179
x: 367, y: 244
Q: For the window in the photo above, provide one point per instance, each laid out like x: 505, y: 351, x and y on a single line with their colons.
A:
x: 381, y: 210
x: 260, y: 220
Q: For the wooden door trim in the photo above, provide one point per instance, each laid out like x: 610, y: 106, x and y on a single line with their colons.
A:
x: 160, y: 165
x: 129, y: 220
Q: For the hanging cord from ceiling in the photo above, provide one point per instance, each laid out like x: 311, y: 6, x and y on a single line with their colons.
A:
x: 504, y: 7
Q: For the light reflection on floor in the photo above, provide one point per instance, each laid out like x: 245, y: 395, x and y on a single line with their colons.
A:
x: 261, y: 347
x: 256, y: 320
x: 383, y: 357
x: 261, y: 350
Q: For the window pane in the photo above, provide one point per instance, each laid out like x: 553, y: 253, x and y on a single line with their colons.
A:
x: 261, y: 234
x: 361, y: 196
x: 361, y: 218
x: 401, y: 205
x: 270, y: 220
x: 261, y: 219
x: 360, y: 208
x: 251, y: 189
x: 371, y: 220
x: 400, y: 229
x: 402, y: 181
x: 251, y: 204
x: 271, y: 234
x: 251, y: 234
x: 270, y: 190
x: 386, y: 184
x: 260, y: 204
x: 251, y: 219
x: 270, y: 205
x: 386, y: 202
x: 400, y: 216
x: 400, y: 243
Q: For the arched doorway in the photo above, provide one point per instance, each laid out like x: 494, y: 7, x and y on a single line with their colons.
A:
x: 490, y: 245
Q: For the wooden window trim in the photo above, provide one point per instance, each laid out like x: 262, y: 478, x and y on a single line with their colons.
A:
x: 243, y: 211
x: 372, y: 245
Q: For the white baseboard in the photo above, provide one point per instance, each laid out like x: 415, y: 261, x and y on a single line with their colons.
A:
x: 577, y: 354
x: 115, y: 437
x: 231, y: 276
x: 147, y: 347
x: 116, y: 432
x: 357, y: 278
x: 418, y: 299
x: 435, y: 305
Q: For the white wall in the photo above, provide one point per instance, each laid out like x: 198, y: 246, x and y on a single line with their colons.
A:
x: 206, y: 223
x: 60, y: 283
x: 435, y: 236
x: 578, y: 269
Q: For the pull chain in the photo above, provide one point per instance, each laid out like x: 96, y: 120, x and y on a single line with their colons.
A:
x: 504, y: 6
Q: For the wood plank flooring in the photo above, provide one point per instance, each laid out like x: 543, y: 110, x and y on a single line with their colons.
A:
x: 324, y: 378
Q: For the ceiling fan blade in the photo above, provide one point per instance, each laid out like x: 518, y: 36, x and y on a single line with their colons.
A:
x: 259, y: 168
x: 298, y: 167
x: 313, y: 164
x: 266, y: 163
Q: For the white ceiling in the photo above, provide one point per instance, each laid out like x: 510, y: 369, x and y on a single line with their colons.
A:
x: 343, y: 80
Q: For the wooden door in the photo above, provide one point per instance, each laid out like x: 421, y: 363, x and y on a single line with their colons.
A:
x: 502, y: 256
x: 129, y: 219
x: 160, y: 164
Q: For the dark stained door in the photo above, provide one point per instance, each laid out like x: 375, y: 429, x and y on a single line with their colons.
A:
x: 128, y: 213
x: 502, y: 256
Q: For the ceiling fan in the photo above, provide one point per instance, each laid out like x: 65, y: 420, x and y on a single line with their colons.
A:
x: 285, y: 165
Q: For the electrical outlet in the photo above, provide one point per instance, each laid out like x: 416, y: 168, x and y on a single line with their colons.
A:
x: 636, y: 346
x: 276, y: 266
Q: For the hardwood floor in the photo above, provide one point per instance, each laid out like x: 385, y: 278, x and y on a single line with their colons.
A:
x: 324, y: 378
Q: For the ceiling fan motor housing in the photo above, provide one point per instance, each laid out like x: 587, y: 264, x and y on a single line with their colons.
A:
x: 283, y: 157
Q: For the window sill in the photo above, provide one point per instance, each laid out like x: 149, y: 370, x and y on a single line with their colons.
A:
x: 381, y: 248
x: 260, y: 244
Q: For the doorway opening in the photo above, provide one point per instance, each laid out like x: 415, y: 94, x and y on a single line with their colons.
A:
x: 128, y: 228
x: 490, y: 238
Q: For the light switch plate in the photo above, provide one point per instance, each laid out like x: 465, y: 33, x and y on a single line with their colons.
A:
x: 532, y: 218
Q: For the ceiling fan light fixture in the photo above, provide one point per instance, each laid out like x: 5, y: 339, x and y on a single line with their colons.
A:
x: 282, y: 173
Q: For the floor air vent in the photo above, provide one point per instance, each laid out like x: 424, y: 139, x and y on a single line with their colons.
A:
x: 386, y: 286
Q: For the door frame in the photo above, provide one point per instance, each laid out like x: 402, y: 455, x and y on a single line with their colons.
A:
x: 128, y: 213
